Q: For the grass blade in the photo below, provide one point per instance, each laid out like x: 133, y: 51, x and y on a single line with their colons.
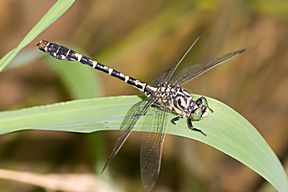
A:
x: 227, y: 130
x: 52, y: 15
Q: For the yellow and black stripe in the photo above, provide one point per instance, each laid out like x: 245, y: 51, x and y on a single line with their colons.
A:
x: 64, y: 53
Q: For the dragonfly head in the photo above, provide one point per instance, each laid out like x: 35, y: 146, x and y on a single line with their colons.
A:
x: 200, y: 110
x: 43, y: 45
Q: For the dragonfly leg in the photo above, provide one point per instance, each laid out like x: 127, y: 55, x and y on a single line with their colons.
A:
x: 189, y: 123
x: 211, y: 110
x: 175, y: 119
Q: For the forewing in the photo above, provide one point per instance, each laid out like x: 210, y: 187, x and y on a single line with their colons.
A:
x: 151, y: 147
x: 193, y: 71
x: 165, y: 77
x: 132, y: 116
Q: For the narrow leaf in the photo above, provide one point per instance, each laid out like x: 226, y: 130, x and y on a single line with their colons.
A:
x: 52, y: 15
x: 226, y: 129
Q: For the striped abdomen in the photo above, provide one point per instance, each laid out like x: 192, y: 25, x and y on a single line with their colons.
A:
x: 61, y: 52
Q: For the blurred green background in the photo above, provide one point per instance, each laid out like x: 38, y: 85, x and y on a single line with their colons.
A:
x: 142, y: 39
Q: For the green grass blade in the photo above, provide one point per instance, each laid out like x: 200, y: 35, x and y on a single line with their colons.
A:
x: 226, y: 130
x: 52, y: 15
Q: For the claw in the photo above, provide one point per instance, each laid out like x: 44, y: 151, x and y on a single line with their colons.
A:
x: 190, y: 125
x: 198, y: 130
x: 210, y: 109
x: 175, y: 119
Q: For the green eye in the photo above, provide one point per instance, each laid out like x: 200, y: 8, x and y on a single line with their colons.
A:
x: 205, y: 103
x: 196, y: 116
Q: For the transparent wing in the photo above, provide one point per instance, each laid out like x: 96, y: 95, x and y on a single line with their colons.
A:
x: 151, y: 147
x: 193, y: 71
x: 132, y: 116
x: 167, y: 75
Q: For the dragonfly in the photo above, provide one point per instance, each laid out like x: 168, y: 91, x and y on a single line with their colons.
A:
x: 164, y: 95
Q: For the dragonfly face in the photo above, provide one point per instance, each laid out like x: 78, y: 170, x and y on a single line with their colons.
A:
x: 199, y: 109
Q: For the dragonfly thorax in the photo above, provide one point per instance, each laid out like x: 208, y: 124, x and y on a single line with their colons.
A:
x: 174, y: 99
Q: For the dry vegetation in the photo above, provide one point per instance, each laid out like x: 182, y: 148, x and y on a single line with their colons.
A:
x: 142, y: 38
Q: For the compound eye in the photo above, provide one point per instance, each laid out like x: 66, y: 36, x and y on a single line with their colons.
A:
x: 199, y: 102
x: 196, y: 115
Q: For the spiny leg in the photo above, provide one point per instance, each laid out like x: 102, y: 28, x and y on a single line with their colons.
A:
x: 175, y: 119
x: 189, y: 123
